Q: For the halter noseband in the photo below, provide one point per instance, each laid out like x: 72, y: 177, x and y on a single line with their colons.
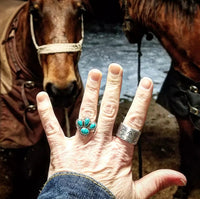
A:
x: 57, y: 47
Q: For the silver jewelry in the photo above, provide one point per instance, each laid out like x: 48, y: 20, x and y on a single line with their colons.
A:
x: 85, y: 126
x: 128, y: 134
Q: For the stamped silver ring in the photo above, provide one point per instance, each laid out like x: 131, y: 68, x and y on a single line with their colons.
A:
x: 128, y: 134
x: 85, y: 126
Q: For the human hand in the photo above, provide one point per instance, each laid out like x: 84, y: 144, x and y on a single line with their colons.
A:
x: 104, y: 157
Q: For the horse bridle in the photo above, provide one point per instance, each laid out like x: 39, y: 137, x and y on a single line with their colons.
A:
x: 56, y: 47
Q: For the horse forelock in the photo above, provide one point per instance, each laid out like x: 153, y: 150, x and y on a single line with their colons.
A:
x: 183, y: 9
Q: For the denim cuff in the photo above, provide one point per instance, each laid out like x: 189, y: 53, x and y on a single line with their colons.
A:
x: 71, y: 185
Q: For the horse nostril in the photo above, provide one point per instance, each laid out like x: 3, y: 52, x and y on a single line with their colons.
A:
x: 70, y: 90
x: 51, y: 89
x: 62, y: 97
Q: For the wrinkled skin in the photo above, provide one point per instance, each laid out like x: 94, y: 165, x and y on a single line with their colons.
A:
x: 105, y: 157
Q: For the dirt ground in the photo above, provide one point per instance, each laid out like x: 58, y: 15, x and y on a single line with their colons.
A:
x: 159, y: 143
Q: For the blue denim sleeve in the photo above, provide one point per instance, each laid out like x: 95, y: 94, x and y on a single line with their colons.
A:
x: 71, y: 185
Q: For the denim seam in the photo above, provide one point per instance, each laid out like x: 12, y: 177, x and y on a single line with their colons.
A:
x: 80, y: 175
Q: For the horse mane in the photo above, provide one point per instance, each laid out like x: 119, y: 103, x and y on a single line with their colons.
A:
x: 184, y: 9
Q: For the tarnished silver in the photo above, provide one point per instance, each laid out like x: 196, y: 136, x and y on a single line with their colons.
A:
x: 128, y: 134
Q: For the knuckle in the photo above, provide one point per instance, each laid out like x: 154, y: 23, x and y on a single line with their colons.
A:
x: 89, y: 109
x: 85, y: 112
x: 136, y: 121
x: 113, y: 88
x: 43, y: 111
x: 109, y: 109
x: 51, y: 127
x: 114, y: 79
x: 42, y: 107
x: 92, y: 89
x: 143, y: 96
x: 44, y: 114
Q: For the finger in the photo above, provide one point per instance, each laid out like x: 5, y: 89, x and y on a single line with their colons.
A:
x: 110, y: 102
x: 136, y: 115
x: 90, y: 100
x: 52, y: 128
x: 158, y: 180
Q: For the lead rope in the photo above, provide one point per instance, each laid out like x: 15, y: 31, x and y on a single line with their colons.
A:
x: 138, y: 79
x: 127, y: 18
x: 149, y: 37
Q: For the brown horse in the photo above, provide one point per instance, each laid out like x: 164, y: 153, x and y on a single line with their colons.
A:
x: 176, y: 24
x: 41, y: 41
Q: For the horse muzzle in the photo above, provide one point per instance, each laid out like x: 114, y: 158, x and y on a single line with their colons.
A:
x: 62, y: 97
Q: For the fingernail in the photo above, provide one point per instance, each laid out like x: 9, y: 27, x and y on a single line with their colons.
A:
x: 95, y: 74
x: 41, y: 96
x: 115, y: 69
x: 146, y: 83
x: 183, y: 182
x: 43, y: 101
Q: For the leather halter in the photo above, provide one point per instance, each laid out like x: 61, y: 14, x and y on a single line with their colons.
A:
x: 181, y: 96
x: 56, y: 47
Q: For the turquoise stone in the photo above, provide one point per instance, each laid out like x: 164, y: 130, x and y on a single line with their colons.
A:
x: 87, y: 122
x: 84, y: 131
x: 92, y: 126
x: 80, y: 123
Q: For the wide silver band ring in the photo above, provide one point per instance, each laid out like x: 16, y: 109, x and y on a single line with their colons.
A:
x: 128, y: 134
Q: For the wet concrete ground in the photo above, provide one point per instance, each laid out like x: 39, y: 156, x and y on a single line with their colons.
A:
x: 106, y: 43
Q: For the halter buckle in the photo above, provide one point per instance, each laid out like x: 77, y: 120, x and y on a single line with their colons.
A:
x: 194, y: 110
x: 29, y: 84
x: 31, y: 108
x: 194, y: 89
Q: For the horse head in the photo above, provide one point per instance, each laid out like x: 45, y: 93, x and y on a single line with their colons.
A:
x: 57, y: 34
x: 132, y: 26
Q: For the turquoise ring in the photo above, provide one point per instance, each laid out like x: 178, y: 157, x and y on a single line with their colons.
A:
x: 85, y: 126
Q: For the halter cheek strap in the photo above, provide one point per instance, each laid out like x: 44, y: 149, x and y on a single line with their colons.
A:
x: 57, y: 47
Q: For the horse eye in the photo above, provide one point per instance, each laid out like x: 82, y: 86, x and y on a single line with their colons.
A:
x: 81, y: 8
x: 35, y: 11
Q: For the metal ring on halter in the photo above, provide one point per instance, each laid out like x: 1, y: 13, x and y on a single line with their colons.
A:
x: 85, y: 126
x: 128, y: 134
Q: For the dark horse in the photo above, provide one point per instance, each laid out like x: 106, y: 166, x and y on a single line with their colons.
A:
x: 41, y: 41
x: 176, y: 24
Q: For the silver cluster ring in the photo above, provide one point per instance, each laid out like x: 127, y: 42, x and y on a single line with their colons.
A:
x: 85, y: 126
x: 128, y: 134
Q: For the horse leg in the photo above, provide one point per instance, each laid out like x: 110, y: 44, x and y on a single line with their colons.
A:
x: 189, y: 148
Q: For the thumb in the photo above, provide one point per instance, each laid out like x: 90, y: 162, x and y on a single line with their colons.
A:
x: 158, y: 180
x: 49, y: 121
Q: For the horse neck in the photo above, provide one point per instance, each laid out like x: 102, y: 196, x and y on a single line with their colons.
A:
x: 169, y: 31
x: 24, y: 44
